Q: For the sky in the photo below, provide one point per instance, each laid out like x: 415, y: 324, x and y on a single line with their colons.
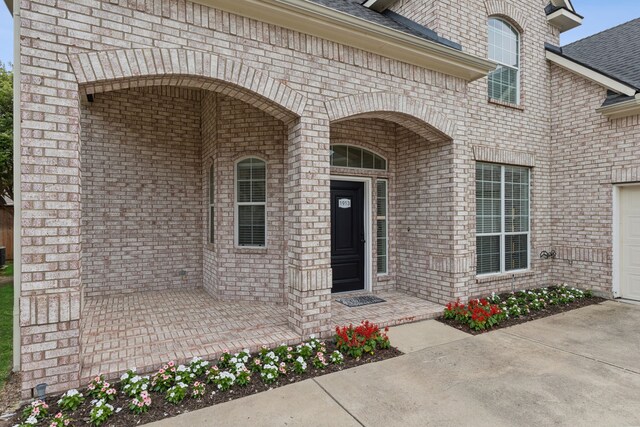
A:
x: 598, y: 15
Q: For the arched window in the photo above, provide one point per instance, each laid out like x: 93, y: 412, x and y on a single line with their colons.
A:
x: 212, y: 201
x: 251, y: 198
x: 504, y: 48
x: 356, y: 157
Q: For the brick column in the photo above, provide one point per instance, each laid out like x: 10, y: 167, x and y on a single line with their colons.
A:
x: 49, y: 197
x: 308, y: 226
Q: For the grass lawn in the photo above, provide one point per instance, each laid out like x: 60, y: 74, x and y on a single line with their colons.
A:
x: 9, y: 270
x: 6, y: 327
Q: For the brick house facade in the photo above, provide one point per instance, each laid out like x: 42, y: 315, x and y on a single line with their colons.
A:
x: 135, y: 117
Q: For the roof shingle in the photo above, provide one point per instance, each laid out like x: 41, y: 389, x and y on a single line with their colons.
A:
x: 614, y: 52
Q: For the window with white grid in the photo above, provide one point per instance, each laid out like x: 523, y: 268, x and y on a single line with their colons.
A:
x: 251, y: 197
x: 504, y: 48
x: 502, y: 218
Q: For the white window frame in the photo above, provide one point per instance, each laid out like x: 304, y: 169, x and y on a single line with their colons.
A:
x: 386, y: 220
x: 237, y: 204
x: 518, y: 68
x: 212, y: 204
x: 502, y: 232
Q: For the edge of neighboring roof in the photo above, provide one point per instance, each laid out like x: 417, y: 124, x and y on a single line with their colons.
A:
x: 550, y: 9
x: 556, y: 55
x: 9, y: 4
x: 621, y: 106
x: 330, y: 24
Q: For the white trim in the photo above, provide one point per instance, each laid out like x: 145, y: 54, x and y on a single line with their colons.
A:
x: 379, y: 5
x: 17, y: 192
x: 590, y: 74
x: 236, y: 225
x: 622, y: 109
x: 615, y: 286
x: 563, y: 3
x: 617, y: 239
x: 368, y: 225
x: 564, y: 20
x: 311, y: 18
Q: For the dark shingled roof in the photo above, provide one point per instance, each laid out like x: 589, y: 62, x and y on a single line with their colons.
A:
x: 387, y: 19
x: 614, y: 52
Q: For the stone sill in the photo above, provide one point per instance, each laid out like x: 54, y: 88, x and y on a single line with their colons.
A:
x: 504, y: 277
x: 506, y: 104
x: 250, y: 250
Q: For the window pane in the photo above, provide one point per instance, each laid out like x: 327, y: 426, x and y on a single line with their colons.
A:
x: 244, y: 169
x: 367, y: 160
x: 381, y: 225
x: 516, y: 199
x: 516, y: 248
x: 251, y: 225
x: 354, y: 157
x: 488, y: 198
x: 258, y: 191
x: 211, y: 226
x: 488, y: 251
x: 244, y: 191
x: 339, y: 156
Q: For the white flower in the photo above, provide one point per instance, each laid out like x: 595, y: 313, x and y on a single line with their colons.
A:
x: 118, y: 410
x: 181, y: 368
x: 135, y: 379
x: 31, y: 420
x: 99, y: 413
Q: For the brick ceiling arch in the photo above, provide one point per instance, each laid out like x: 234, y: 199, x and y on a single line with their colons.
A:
x: 501, y: 8
x: 403, y: 110
x: 126, y: 68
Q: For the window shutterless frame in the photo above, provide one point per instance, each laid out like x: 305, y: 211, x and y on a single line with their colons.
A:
x: 503, y: 234
x: 239, y: 204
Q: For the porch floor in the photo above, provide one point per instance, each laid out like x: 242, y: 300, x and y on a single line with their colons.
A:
x: 146, y: 329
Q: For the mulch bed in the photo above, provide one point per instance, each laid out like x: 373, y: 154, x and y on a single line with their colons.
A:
x: 533, y: 315
x: 161, y: 409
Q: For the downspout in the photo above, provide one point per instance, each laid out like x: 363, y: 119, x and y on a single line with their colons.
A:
x: 17, y: 196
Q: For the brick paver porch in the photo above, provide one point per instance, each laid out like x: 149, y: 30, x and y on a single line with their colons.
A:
x: 146, y: 329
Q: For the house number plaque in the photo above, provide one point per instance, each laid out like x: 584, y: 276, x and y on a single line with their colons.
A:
x: 344, y: 203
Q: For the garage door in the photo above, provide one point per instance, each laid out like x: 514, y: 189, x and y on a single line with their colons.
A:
x: 630, y: 242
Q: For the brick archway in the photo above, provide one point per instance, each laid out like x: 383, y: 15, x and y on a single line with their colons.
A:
x: 126, y: 68
x: 407, y: 112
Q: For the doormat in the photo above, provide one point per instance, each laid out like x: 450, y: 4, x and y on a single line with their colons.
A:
x: 360, y: 301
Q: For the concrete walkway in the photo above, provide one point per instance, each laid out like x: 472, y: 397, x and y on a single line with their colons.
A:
x: 576, y: 368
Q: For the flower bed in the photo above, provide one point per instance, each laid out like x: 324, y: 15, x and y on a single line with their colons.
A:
x: 176, y: 389
x: 508, y: 309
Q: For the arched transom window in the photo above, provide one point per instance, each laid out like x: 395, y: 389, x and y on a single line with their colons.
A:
x: 504, y: 48
x: 356, y: 157
x: 251, y: 200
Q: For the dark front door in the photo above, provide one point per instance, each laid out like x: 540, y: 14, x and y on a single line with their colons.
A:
x: 347, y: 235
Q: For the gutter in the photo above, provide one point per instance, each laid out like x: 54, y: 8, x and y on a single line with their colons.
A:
x: 622, y: 109
x: 330, y: 24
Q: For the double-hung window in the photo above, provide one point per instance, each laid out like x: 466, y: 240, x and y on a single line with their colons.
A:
x: 504, y: 48
x: 502, y: 218
x: 251, y: 197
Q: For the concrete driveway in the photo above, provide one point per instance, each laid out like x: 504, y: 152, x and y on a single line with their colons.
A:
x: 577, y: 368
